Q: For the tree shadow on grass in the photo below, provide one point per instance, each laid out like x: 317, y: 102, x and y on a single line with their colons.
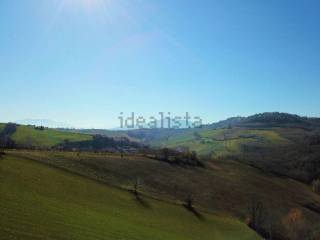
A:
x: 2, y: 154
x: 194, y: 212
x: 138, y: 197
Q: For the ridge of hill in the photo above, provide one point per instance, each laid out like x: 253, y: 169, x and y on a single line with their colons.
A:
x: 264, y: 154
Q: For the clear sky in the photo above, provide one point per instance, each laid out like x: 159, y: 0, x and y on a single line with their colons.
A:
x: 84, y: 61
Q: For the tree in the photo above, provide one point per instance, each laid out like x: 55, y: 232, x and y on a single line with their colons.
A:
x: 194, y: 156
x: 2, y: 153
x: 6, y: 142
x: 257, y: 214
x: 316, y: 186
x: 2, y: 144
x: 189, y: 201
x: 165, y: 153
x: 41, y: 128
x: 296, y: 226
x: 136, y: 186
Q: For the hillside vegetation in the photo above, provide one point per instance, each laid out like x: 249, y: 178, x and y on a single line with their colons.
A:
x: 278, y: 143
x: 31, y: 136
x: 41, y: 202
x: 46, y: 137
x: 222, y: 187
x: 272, y: 157
x: 217, y: 142
x: 2, y: 125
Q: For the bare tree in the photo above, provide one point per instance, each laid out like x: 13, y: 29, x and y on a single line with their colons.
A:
x: 316, y: 186
x: 136, y: 186
x: 2, y: 145
x: 257, y: 214
x: 165, y: 153
x: 121, y: 148
x: 189, y: 201
x: 2, y: 153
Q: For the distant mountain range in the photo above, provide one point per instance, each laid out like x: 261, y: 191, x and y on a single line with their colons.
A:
x: 44, y: 122
x: 268, y: 119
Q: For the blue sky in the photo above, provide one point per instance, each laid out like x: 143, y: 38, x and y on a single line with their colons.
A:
x: 85, y: 61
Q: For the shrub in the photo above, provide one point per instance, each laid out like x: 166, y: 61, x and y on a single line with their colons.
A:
x: 296, y: 225
x: 316, y: 186
x: 2, y: 153
x: 257, y: 213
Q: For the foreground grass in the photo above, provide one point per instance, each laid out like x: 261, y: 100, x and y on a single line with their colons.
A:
x: 40, y: 202
x: 26, y: 135
x: 222, y: 186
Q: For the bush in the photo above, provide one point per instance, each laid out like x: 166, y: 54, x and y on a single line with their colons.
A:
x: 189, y: 202
x: 257, y: 213
x: 316, y: 186
x: 296, y: 225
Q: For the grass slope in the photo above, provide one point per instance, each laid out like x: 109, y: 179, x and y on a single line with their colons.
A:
x: 26, y: 135
x: 206, y: 141
x: 223, y: 186
x: 40, y: 202
x: 221, y: 141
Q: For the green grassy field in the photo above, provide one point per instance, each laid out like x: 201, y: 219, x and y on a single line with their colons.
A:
x: 27, y: 135
x: 41, y: 202
x: 244, y: 162
x: 214, y: 142
x: 223, y: 187
x: 219, y: 142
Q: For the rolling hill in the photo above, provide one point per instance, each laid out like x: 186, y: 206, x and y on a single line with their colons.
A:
x: 223, y: 187
x: 43, y: 122
x: 272, y: 155
x: 39, y: 137
x: 41, y: 202
x: 281, y: 143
